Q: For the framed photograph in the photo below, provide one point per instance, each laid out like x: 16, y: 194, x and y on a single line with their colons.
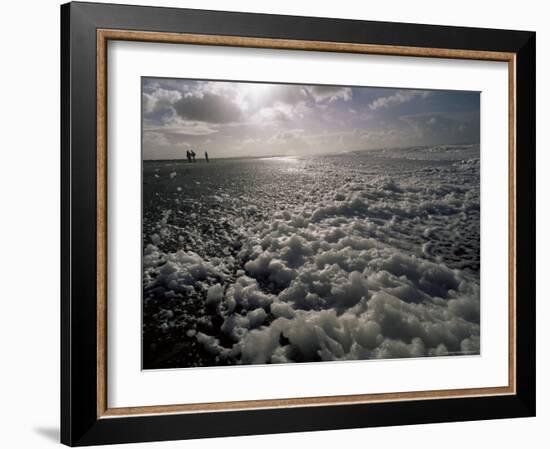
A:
x: 282, y: 224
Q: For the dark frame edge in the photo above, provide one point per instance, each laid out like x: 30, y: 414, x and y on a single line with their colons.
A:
x: 78, y: 226
x: 65, y: 253
x: 526, y: 222
x: 135, y: 429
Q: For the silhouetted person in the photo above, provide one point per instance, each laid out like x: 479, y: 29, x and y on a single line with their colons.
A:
x: 188, y: 156
x: 206, y: 156
x: 193, y: 154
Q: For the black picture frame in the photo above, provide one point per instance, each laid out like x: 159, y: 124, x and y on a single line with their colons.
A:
x: 80, y: 423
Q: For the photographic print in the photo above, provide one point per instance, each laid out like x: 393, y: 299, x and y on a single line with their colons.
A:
x: 287, y: 223
x: 232, y: 232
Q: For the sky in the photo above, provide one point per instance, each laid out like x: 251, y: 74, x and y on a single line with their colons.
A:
x: 243, y: 119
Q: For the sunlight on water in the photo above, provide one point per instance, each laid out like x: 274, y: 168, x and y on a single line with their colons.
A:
x: 280, y: 159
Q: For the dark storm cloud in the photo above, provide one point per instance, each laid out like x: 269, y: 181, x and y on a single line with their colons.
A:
x: 208, y: 107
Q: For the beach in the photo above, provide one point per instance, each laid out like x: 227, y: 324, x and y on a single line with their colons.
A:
x: 362, y: 255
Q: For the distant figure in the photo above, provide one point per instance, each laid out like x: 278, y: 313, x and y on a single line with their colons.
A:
x: 193, y: 154
x: 188, y: 156
x: 206, y: 156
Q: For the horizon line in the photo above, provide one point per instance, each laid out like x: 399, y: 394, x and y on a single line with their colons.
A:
x: 183, y: 158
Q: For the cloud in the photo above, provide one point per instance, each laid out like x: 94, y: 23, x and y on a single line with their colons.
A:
x: 287, y: 94
x: 155, y: 139
x: 193, y: 101
x: 192, y: 128
x: 159, y: 98
x: 438, y: 125
x: 398, y: 98
x: 330, y: 93
x: 209, y: 108
x: 334, y: 118
x: 159, y: 142
x: 171, y: 124
x: 182, y: 127
x: 287, y: 136
x: 278, y: 114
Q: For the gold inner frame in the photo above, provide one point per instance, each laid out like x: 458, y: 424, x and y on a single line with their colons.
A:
x: 104, y: 35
